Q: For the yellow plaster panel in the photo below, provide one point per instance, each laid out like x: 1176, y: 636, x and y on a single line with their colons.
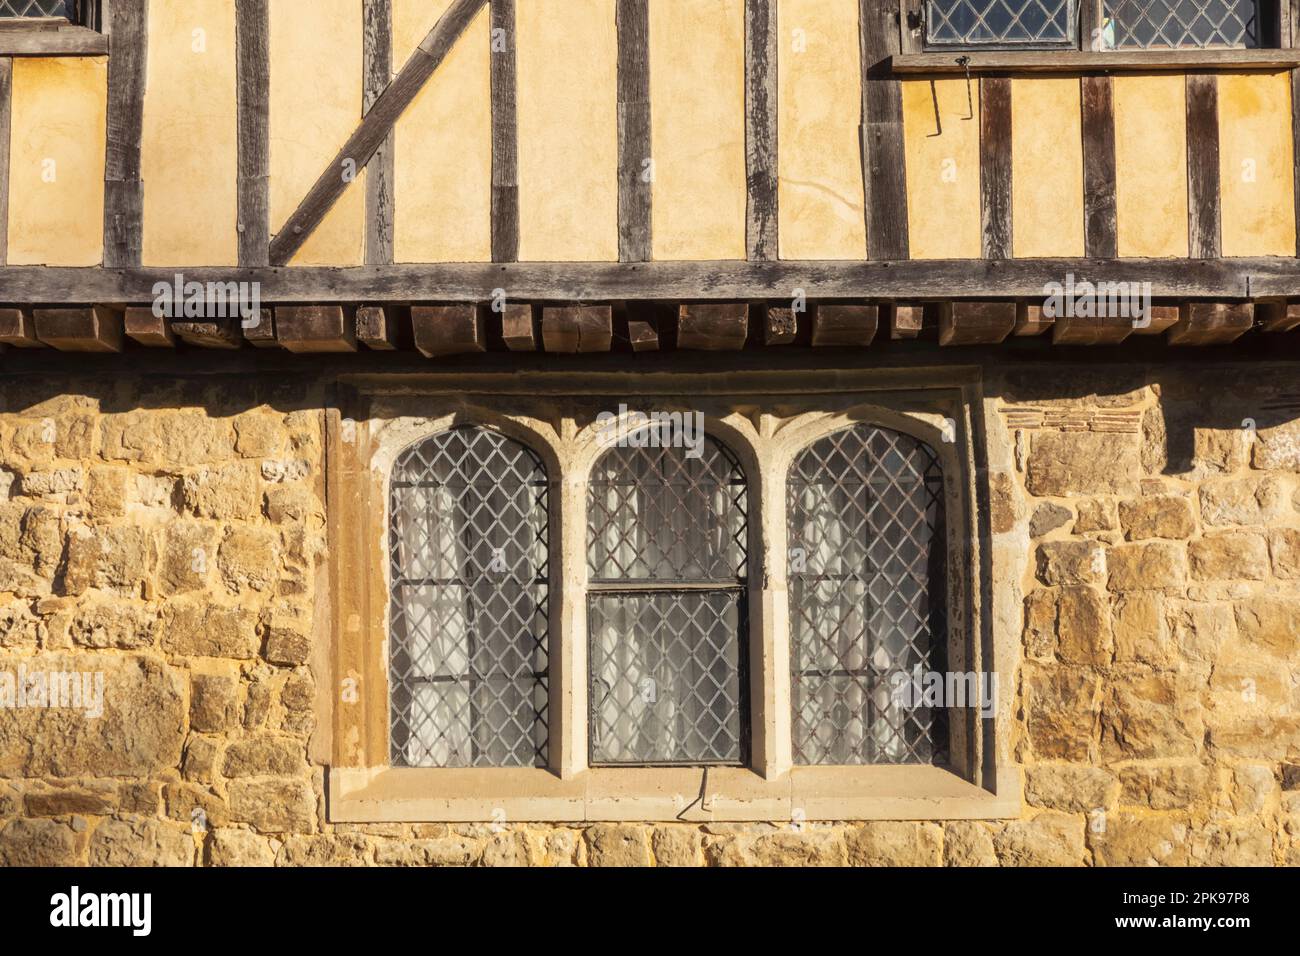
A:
x: 315, y: 107
x: 568, y: 130
x: 56, y: 161
x: 943, y: 169
x: 1151, y: 165
x: 1255, y: 165
x: 442, y: 192
x: 819, y: 95
x: 190, y: 149
x: 1046, y: 168
x: 697, y: 123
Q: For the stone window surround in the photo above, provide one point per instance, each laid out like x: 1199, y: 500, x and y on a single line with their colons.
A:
x: 766, y: 418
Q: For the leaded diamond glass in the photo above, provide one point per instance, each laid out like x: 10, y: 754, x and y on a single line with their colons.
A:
x: 1184, y: 23
x: 38, y: 8
x: 867, y: 597
x: 667, y: 557
x: 1020, y: 23
x: 468, y: 603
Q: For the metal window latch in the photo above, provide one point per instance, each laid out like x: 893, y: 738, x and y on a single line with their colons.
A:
x: 964, y: 62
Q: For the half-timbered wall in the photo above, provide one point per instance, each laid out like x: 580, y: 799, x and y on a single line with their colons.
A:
x: 594, y: 130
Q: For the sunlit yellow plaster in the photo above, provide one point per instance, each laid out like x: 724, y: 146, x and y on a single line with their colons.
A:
x: 56, y: 161
x: 190, y: 149
x: 315, y: 107
x: 442, y: 193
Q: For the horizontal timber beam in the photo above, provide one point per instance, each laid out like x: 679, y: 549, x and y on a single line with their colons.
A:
x: 1238, y: 278
x: 65, y: 41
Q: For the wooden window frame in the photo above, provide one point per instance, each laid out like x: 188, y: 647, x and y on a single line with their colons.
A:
x: 556, y: 420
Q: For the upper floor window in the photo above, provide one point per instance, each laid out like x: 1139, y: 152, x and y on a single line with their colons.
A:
x: 63, y: 9
x: 868, y: 598
x: 1106, y: 24
x: 1025, y: 24
x: 1181, y: 23
x: 468, y: 588
x: 667, y: 560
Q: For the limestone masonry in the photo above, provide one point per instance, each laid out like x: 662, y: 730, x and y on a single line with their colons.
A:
x: 169, y: 534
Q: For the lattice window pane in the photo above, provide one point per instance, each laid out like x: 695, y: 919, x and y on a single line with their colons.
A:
x: 668, y: 689
x: 38, y: 8
x: 667, y: 556
x: 468, y: 610
x: 1160, y: 24
x: 867, y: 597
x: 657, y: 514
x: 1020, y: 23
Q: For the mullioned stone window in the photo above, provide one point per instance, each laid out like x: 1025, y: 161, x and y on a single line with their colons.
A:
x: 728, y: 607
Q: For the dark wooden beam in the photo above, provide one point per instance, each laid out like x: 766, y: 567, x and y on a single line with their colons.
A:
x: 315, y: 328
x: 96, y: 328
x: 642, y: 335
x: 374, y: 129
x: 577, y: 328
x: 905, y: 320
x: 253, y: 95
x: 883, y: 163
x: 1162, y: 317
x: 1274, y: 315
x: 6, y: 119
x: 505, y: 135
x: 123, y: 188
x: 717, y: 281
x: 211, y: 333
x: 1211, y: 323
x: 68, y: 41
x: 975, y: 323
x: 1032, y: 319
x: 761, y: 52
x: 141, y: 325
x: 261, y: 333
x: 845, y: 326
x: 781, y: 326
x: 377, y: 47
x: 18, y: 329
x: 911, y: 16
x: 1091, y: 330
x: 713, y: 326
x: 443, y: 330
x: 1204, y: 233
x: 519, y: 327
x: 635, y: 189
x: 995, y: 166
x: 1100, y: 228
x: 378, y: 327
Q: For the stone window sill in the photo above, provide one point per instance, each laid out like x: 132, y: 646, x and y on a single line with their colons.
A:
x: 730, y: 794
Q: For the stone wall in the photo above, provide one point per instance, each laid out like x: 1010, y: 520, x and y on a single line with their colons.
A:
x: 168, y: 535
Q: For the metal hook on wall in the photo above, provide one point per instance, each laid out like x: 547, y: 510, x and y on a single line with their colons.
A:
x: 964, y: 62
